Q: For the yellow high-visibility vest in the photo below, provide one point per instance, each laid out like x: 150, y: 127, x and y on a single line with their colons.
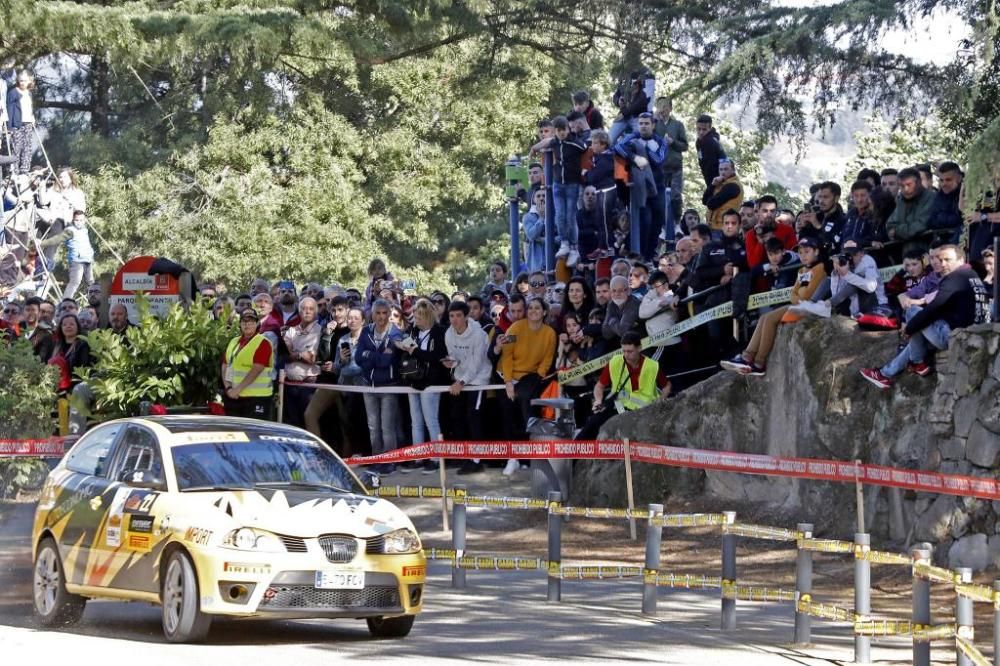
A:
x: 240, y: 362
x: 628, y: 399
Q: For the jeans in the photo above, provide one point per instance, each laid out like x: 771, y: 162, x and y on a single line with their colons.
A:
x: 424, y: 410
x: 565, y: 197
x: 77, y: 273
x: 935, y: 335
x: 620, y: 128
x: 675, y: 181
x: 382, y: 411
x: 651, y: 221
x: 607, y: 201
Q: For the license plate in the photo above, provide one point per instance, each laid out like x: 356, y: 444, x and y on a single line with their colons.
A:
x: 340, y: 580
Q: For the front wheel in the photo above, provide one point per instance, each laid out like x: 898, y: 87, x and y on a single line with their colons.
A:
x: 54, y: 606
x: 183, y: 621
x: 391, y: 627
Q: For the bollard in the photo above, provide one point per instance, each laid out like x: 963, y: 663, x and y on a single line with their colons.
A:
x: 458, y: 536
x: 555, y: 547
x: 862, y: 597
x: 921, y: 607
x: 654, y: 537
x: 803, y: 586
x: 963, y: 616
x: 728, y: 573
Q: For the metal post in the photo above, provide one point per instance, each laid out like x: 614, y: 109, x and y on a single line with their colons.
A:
x: 921, y: 606
x: 862, y: 597
x: 728, y: 572
x: 555, y: 547
x: 803, y: 586
x: 996, y: 621
x: 996, y: 283
x: 458, y: 536
x: 654, y: 537
x: 550, y: 214
x: 635, y: 225
x: 963, y: 616
x: 515, y: 221
x: 669, y: 228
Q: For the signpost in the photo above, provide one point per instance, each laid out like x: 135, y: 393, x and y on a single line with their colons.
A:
x: 161, y: 290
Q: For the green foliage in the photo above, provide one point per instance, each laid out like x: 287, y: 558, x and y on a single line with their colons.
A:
x: 26, y: 403
x: 173, y: 361
x: 923, y: 139
x: 785, y: 198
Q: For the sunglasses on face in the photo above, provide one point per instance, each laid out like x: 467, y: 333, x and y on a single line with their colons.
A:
x: 438, y: 301
x: 536, y: 284
x: 10, y: 311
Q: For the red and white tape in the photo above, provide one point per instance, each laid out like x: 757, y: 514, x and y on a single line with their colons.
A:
x: 723, y: 461
x: 37, y: 448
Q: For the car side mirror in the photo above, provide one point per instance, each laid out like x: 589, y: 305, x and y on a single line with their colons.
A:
x: 370, y: 479
x: 143, y: 479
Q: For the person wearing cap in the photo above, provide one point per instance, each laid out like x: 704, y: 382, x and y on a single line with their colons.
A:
x: 753, y: 359
x: 854, y: 288
x: 246, y: 370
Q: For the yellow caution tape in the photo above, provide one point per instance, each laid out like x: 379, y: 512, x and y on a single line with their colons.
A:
x: 937, y: 632
x: 826, y: 611
x: 689, y: 520
x: 972, y: 652
x: 936, y: 574
x: 586, y: 512
x: 883, y: 557
x: 976, y: 592
x: 440, y: 554
x: 732, y: 590
x: 685, y: 581
x: 826, y: 545
x: 523, y: 503
x: 593, y: 572
x: 502, y: 563
x: 413, y: 492
x: 761, y: 532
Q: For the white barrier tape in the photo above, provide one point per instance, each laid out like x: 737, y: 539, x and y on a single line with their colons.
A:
x: 403, y: 390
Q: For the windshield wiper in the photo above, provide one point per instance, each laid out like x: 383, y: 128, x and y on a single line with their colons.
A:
x: 220, y: 486
x: 303, y: 484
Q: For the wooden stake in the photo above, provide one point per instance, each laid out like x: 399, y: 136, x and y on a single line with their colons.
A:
x: 860, y: 497
x: 628, y: 487
x: 281, y: 395
x: 444, y: 490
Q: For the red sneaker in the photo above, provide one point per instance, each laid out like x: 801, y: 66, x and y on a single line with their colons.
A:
x: 921, y: 369
x: 875, y: 376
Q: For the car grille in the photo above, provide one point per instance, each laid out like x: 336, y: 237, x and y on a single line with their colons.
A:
x: 293, y: 544
x: 373, y: 545
x: 339, y: 548
x: 308, y: 597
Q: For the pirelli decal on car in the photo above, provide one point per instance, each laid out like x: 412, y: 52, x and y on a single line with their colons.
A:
x: 246, y: 567
x: 414, y: 572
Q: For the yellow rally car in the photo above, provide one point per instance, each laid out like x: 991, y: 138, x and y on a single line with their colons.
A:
x: 220, y: 516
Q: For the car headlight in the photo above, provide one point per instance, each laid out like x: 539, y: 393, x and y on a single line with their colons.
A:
x: 246, y: 538
x: 403, y: 540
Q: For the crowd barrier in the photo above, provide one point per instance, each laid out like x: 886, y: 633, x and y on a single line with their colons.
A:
x: 860, y: 618
x: 722, y: 311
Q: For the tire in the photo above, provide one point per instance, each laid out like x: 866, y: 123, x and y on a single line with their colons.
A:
x: 390, y: 627
x: 54, y: 606
x: 183, y: 621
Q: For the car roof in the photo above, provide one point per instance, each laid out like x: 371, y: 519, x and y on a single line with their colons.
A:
x: 176, y: 425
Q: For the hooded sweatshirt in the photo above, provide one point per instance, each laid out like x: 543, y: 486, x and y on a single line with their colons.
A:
x: 468, y: 349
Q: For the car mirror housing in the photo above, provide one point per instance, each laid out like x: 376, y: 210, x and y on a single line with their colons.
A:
x: 143, y: 479
x: 370, y: 479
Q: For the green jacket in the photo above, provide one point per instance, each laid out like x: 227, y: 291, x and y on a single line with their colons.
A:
x: 678, y: 145
x: 910, y: 219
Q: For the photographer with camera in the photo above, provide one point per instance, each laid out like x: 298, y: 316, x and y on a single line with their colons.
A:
x: 635, y: 381
x: 825, y: 218
x: 766, y: 227
x: 854, y: 287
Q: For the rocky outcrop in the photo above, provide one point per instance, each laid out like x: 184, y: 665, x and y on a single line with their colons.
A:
x: 813, y: 403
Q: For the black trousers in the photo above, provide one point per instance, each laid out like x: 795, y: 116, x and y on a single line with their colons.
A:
x: 515, y: 413
x: 250, y: 408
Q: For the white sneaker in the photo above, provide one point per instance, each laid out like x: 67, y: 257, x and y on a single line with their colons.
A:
x: 573, y: 258
x: 512, y: 466
x: 563, y: 249
x: 820, y: 309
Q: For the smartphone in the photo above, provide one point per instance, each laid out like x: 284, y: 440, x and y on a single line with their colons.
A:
x: 345, y: 345
x: 509, y: 339
x: 409, y: 285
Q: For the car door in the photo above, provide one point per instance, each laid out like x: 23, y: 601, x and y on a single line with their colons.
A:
x: 125, y: 551
x: 83, y: 499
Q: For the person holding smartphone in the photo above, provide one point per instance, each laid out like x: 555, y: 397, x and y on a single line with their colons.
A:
x: 467, y: 342
x: 425, y: 344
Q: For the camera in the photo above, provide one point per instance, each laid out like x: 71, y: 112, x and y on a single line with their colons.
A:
x: 345, y: 345
x: 843, y: 260
x: 815, y: 208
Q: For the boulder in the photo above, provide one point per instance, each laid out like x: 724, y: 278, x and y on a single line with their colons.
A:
x: 982, y: 447
x: 970, y: 551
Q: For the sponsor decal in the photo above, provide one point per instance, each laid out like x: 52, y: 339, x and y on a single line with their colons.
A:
x: 283, y: 438
x: 246, y: 567
x: 139, y: 542
x: 113, y: 531
x: 142, y: 524
x: 202, y: 437
x: 198, y: 535
x: 140, y: 501
x: 409, y: 572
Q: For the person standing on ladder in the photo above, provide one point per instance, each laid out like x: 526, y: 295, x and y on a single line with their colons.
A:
x: 21, y: 121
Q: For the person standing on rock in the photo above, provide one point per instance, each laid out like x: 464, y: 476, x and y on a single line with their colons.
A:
x: 961, y: 301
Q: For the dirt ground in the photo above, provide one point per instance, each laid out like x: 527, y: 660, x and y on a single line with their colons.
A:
x: 684, y: 551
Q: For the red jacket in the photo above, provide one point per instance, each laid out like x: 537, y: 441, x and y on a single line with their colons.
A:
x: 756, y: 254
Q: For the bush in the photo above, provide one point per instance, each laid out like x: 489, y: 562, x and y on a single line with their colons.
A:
x: 173, y: 361
x: 27, y: 396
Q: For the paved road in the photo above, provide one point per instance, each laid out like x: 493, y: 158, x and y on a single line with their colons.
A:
x: 499, y: 618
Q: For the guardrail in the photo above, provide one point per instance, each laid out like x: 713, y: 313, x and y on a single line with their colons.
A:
x: 864, y: 625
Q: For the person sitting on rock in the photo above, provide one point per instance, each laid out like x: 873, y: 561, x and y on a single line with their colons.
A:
x: 961, y: 301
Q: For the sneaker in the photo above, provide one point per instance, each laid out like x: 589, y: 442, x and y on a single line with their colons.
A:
x: 737, y: 364
x: 563, y: 250
x: 573, y: 258
x: 820, y: 309
x: 470, y: 467
x: 921, y: 369
x: 429, y: 466
x: 525, y: 465
x: 875, y: 376
x: 407, y: 467
x: 756, y: 370
x: 512, y: 466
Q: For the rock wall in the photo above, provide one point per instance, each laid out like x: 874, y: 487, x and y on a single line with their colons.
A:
x: 813, y: 403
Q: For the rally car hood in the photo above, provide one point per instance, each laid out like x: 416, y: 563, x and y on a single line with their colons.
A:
x: 305, y: 513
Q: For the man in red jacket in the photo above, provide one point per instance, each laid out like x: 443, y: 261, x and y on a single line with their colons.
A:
x: 767, y: 226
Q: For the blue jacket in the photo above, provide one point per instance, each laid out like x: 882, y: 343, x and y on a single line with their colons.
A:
x: 14, y: 108
x: 78, y: 247
x: 534, y: 231
x: 379, y: 362
x: 946, y: 215
x: 602, y: 173
x: 656, y: 153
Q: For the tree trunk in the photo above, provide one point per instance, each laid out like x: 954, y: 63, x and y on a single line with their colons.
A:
x: 100, y: 86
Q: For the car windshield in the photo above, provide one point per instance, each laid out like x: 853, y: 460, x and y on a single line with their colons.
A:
x: 261, y: 461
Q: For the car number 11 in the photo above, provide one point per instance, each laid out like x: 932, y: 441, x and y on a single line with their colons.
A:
x: 340, y: 580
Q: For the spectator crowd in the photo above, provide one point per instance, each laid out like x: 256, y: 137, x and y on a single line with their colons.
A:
x: 410, y: 363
